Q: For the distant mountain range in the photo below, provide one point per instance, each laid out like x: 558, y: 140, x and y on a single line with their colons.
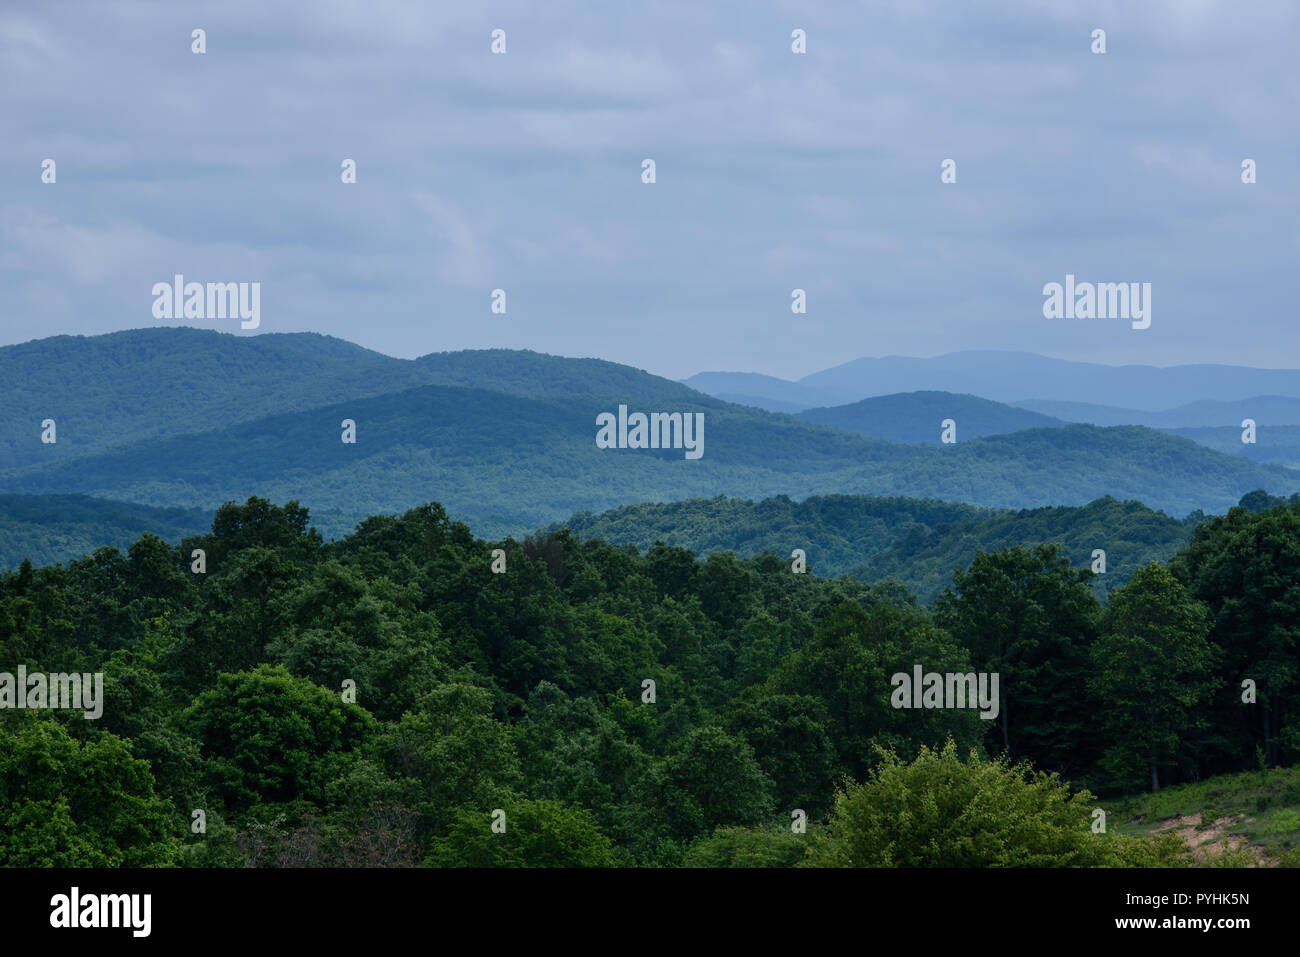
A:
x: 506, y: 440
x: 913, y: 416
x: 1011, y: 377
x: 917, y: 417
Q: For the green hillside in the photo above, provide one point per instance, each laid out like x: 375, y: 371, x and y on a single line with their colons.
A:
x: 47, y: 529
x: 1250, y: 819
x: 916, y: 542
x: 836, y: 532
x: 508, y: 464
x: 526, y: 373
x: 1279, y: 444
x: 105, y: 391
x: 112, y: 390
x: 1075, y: 464
x: 1130, y: 534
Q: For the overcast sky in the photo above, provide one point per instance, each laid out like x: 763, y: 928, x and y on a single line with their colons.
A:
x: 522, y: 171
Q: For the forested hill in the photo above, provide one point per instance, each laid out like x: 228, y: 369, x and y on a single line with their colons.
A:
x: 1130, y: 535
x: 505, y: 463
x: 50, y: 529
x: 918, y: 417
x: 836, y: 531
x: 916, y: 542
x: 116, y: 389
x: 508, y: 464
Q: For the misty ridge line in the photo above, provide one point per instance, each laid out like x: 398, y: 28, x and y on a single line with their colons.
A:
x: 1014, y: 378
x: 243, y: 299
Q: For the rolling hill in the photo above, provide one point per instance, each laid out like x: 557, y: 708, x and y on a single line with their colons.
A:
x: 916, y: 417
x: 1279, y: 444
x: 771, y: 405
x: 506, y: 463
x: 915, y: 542
x: 837, y: 532
x: 105, y: 391
x: 112, y: 390
x: 55, y: 528
x: 1056, y: 466
x: 1130, y: 534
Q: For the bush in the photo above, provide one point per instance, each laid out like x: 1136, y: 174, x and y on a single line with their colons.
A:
x: 537, y: 834
x: 939, y: 811
x: 748, y: 847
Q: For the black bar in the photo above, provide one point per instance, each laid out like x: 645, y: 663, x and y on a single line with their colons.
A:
x: 637, y: 908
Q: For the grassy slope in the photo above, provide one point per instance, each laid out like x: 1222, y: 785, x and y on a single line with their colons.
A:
x: 1254, y: 816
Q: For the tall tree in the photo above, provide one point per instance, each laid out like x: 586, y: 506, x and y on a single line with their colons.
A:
x: 1025, y: 614
x: 1246, y: 568
x: 1151, y: 670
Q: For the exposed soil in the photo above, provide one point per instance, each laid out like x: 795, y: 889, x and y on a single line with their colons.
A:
x: 1206, y: 841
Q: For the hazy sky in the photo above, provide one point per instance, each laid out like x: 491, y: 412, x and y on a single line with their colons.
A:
x: 522, y: 171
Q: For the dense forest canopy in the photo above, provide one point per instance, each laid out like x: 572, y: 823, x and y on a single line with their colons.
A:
x: 394, y: 696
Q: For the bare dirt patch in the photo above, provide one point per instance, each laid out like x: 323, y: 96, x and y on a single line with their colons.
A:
x: 1206, y: 841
